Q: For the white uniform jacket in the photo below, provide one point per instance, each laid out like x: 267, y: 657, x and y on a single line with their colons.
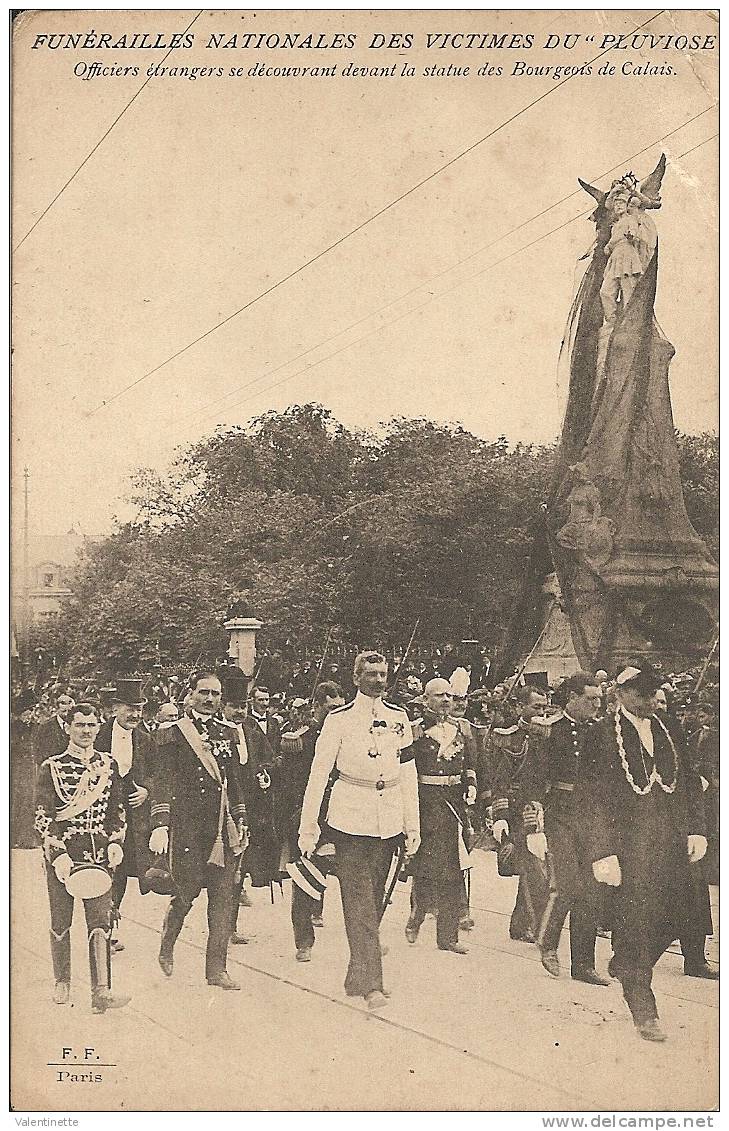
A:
x: 376, y: 788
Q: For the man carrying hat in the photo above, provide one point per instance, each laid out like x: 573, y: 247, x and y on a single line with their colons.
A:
x: 131, y: 750
x: 644, y: 816
x: 80, y: 819
x: 374, y: 801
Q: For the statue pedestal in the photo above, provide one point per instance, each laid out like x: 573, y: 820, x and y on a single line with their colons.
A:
x: 242, y: 643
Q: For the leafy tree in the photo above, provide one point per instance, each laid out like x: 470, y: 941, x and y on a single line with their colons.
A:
x: 320, y: 526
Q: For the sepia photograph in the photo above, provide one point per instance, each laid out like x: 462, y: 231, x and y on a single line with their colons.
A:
x: 364, y: 562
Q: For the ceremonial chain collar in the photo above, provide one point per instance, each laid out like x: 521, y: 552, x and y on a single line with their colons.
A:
x: 654, y: 775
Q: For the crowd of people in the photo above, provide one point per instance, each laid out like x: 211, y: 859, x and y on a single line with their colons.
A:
x: 600, y: 794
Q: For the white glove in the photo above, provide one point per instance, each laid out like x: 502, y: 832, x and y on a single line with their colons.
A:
x: 244, y: 835
x: 500, y: 830
x: 471, y: 795
x: 138, y: 797
x: 308, y: 843
x: 607, y: 871
x: 704, y: 783
x: 159, y: 841
x: 537, y: 845
x: 115, y: 854
x: 412, y: 842
x: 62, y: 866
x: 697, y: 846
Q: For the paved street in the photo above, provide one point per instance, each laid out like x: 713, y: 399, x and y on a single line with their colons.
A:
x: 487, y: 1031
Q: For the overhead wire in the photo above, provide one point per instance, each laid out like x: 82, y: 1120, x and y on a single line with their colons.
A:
x: 353, y: 231
x: 99, y: 143
x: 441, y: 294
x: 216, y: 404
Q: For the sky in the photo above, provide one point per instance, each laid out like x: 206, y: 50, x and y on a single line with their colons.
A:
x: 450, y: 304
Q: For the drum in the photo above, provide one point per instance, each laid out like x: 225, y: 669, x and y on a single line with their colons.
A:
x: 88, y: 881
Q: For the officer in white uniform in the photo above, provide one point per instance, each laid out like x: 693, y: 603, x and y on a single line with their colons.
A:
x: 368, y: 744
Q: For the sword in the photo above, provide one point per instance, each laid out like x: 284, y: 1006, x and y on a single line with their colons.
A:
x: 403, y: 661
x: 396, y: 872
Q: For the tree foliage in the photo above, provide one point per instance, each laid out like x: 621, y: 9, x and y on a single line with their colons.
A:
x: 319, y: 526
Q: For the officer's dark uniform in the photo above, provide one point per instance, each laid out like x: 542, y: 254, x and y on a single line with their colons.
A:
x: 445, y: 757
x: 79, y: 811
x: 573, y: 886
x: 203, y: 830
x: 512, y: 751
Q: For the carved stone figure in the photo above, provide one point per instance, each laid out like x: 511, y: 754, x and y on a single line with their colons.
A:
x: 587, y: 532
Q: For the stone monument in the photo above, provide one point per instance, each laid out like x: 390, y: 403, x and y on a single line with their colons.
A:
x: 617, y: 570
x: 242, y: 626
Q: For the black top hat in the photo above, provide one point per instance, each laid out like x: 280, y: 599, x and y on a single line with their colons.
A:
x: 129, y: 692
x: 235, y: 689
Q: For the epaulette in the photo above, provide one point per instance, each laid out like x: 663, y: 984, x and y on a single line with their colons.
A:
x: 393, y: 706
x: 505, y: 730
x: 551, y: 719
x: 418, y: 729
x: 339, y: 710
x: 53, y: 758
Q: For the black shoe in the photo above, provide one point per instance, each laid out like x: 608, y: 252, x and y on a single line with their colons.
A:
x: 525, y: 936
x: 317, y: 921
x: 466, y: 923
x: 303, y: 954
x: 223, y: 981
x: 550, y: 962
x: 705, y: 970
x: 236, y: 939
x: 455, y: 948
x: 651, y: 1030
x: 116, y: 946
x: 166, y: 964
x: 591, y: 976
x: 411, y: 933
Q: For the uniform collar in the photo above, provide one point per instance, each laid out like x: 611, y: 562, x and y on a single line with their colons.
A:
x: 86, y: 755
x: 366, y: 703
x: 201, y: 718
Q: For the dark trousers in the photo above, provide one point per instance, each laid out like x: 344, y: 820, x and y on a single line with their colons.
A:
x: 362, y: 866
x: 531, y: 896
x: 444, y: 893
x: 633, y: 961
x: 220, y: 883
x: 97, y: 911
x: 573, y: 889
x: 304, y: 908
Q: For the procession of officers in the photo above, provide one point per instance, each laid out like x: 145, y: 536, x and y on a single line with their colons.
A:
x: 596, y: 808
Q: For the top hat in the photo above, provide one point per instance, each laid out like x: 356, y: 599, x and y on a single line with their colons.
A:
x: 235, y: 689
x: 129, y: 692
